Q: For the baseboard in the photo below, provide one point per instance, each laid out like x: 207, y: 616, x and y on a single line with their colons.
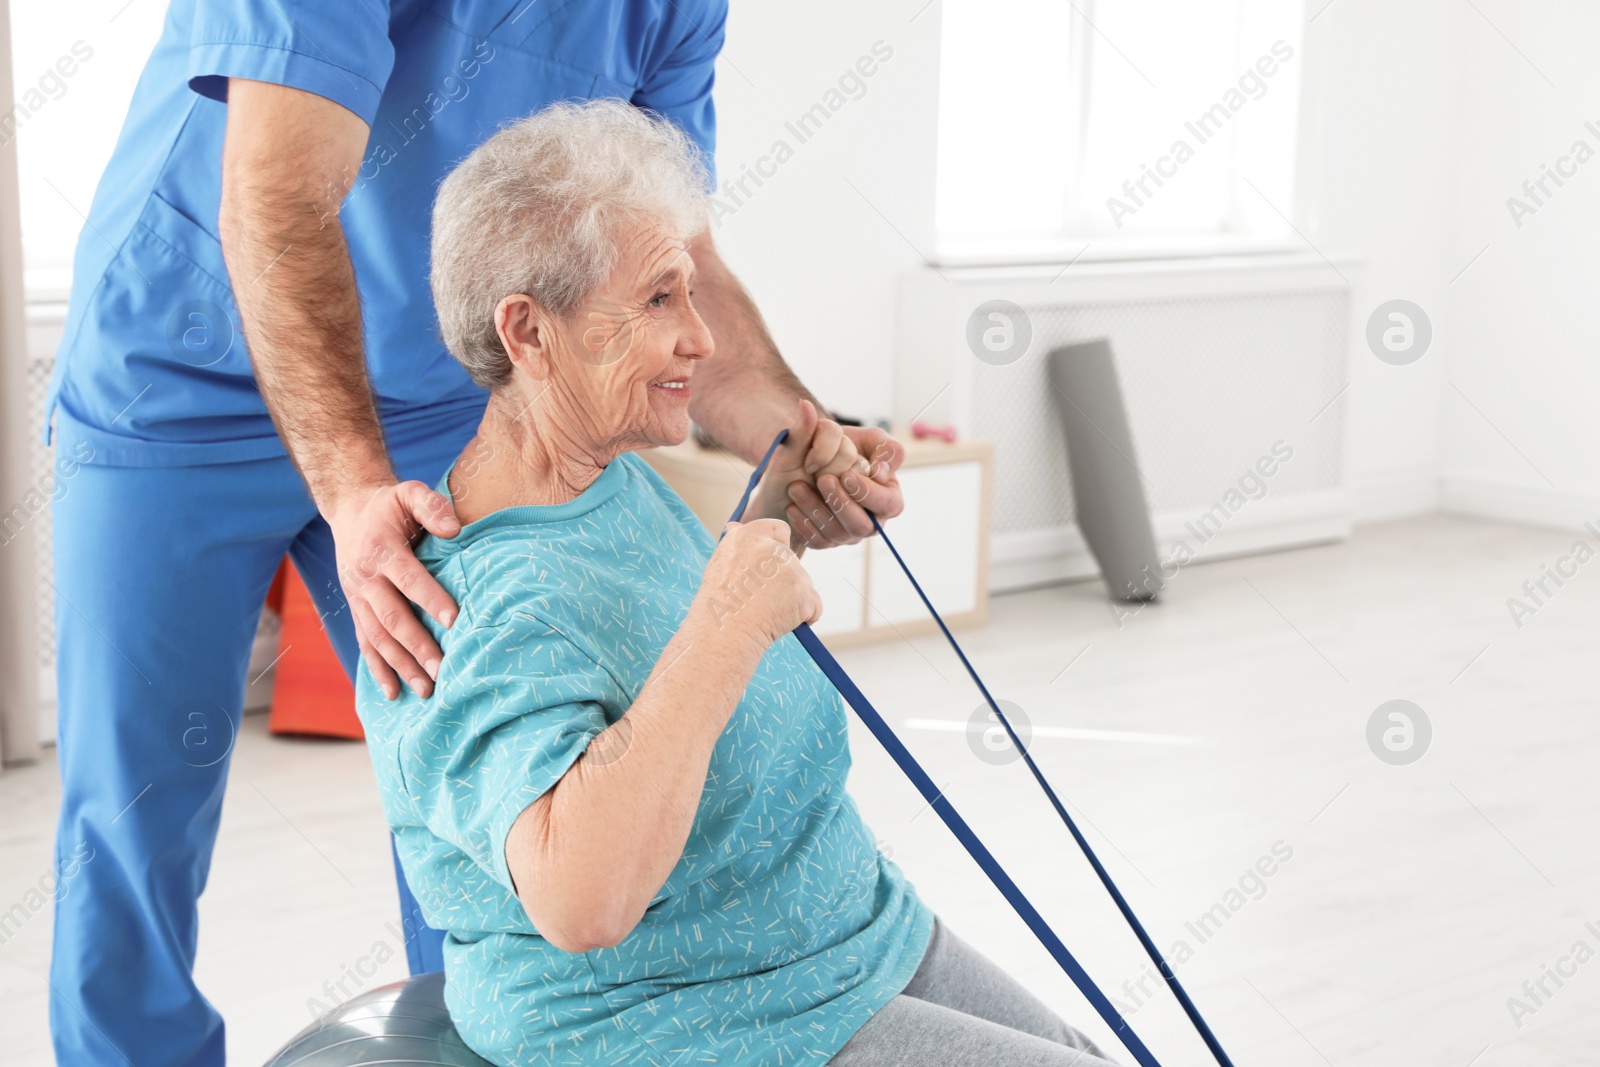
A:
x: 1395, y: 494
x: 1524, y: 505
x: 47, y: 706
x: 1042, y: 557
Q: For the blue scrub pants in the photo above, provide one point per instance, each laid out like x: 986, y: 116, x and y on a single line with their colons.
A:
x: 160, y: 575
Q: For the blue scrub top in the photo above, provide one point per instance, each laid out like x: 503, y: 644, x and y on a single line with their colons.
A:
x: 152, y: 368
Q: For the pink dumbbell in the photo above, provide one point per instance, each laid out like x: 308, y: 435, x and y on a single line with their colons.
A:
x: 920, y: 429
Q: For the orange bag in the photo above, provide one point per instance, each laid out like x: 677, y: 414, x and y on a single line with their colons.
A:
x: 311, y: 694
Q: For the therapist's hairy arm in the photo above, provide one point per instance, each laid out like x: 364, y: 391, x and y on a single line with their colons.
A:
x: 744, y: 395
x: 288, y: 160
x: 591, y: 853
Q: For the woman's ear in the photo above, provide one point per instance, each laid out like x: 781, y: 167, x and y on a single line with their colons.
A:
x: 524, y: 334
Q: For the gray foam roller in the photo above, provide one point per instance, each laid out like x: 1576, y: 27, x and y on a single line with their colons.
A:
x: 1106, y: 484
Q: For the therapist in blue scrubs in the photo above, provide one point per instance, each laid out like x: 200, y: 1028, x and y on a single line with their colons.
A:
x: 251, y: 367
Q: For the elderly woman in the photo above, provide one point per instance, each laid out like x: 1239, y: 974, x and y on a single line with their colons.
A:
x: 625, y: 801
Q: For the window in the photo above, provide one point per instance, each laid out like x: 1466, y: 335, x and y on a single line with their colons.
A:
x: 73, y: 72
x: 1116, y: 122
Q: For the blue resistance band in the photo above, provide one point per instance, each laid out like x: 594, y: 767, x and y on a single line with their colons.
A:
x: 985, y: 859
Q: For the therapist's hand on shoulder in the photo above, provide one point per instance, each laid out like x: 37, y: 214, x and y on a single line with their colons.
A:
x: 375, y: 530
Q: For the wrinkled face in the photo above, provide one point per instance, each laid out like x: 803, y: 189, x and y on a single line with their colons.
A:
x: 622, y: 363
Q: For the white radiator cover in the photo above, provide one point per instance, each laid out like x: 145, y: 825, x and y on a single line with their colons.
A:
x: 1221, y: 362
x: 45, y: 322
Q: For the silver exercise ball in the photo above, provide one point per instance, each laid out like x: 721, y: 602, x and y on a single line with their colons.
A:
x: 403, y: 1023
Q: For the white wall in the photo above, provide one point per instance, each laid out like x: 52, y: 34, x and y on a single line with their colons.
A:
x: 1431, y: 114
x: 1527, y: 315
x: 1381, y: 132
x: 820, y: 259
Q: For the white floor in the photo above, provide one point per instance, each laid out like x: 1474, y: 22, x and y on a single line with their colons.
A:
x: 1416, y: 901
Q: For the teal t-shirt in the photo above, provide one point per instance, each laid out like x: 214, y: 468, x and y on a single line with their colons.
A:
x: 782, y: 928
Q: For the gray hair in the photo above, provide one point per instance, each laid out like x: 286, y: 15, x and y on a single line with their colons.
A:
x: 538, y: 209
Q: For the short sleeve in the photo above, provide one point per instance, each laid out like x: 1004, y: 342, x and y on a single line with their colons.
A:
x: 337, y: 50
x: 679, y: 87
x: 515, y: 705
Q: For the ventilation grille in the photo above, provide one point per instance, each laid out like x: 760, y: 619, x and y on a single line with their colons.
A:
x: 1210, y: 384
x: 44, y: 331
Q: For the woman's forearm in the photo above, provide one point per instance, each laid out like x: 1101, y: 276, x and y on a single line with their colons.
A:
x: 589, y: 855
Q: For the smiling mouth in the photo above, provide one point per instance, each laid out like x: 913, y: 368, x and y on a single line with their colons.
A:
x: 678, y: 387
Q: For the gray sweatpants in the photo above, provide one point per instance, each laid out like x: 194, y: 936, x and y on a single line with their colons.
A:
x: 962, y: 1010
